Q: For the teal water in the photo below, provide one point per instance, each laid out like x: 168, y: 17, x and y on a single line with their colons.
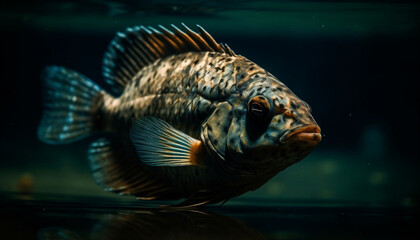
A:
x: 354, y: 62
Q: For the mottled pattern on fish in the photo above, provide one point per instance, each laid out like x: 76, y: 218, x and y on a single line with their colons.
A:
x: 186, y: 118
x: 183, y: 89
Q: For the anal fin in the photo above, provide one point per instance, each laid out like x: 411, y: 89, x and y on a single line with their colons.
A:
x: 117, y: 169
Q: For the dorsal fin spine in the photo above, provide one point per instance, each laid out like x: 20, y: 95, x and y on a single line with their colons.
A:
x: 151, y: 47
x: 134, y: 42
x: 179, y: 41
x: 134, y: 60
x: 158, y: 44
x: 156, y: 49
x: 130, y: 56
x: 191, y: 35
x: 121, y: 51
x: 168, y: 39
x: 185, y: 36
x: 119, y: 75
x: 197, y: 38
x: 207, y: 37
x: 135, y: 33
x: 139, y: 50
x: 134, y: 57
x: 144, y: 53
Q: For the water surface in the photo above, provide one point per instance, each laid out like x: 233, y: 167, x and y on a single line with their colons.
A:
x: 49, y: 216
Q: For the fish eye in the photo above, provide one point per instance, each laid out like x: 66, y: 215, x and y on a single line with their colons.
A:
x: 259, y: 107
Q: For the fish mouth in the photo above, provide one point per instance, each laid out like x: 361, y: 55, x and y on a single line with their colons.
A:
x: 309, y: 133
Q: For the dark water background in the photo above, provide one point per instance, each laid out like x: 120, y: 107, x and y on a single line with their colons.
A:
x: 355, y: 62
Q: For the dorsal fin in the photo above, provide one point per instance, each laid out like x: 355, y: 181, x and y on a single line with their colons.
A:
x: 140, y: 46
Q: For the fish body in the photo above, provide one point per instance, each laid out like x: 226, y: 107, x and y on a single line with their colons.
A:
x: 186, y: 118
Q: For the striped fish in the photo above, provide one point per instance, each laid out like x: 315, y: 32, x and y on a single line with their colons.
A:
x: 183, y: 118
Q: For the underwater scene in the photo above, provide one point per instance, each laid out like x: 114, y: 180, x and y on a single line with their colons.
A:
x: 209, y: 119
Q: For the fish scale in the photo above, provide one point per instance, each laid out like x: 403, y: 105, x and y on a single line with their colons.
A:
x: 174, y: 73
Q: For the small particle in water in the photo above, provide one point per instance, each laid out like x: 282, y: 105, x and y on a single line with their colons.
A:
x: 349, y: 114
x: 323, y: 25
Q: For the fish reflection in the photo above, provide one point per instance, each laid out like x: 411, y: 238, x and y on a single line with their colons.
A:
x: 161, y: 224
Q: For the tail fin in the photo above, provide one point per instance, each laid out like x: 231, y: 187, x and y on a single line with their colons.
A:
x: 70, y: 103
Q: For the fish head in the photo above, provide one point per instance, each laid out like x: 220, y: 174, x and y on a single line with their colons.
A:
x: 266, y: 126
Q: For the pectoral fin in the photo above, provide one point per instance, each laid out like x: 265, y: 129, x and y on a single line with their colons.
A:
x: 159, y: 144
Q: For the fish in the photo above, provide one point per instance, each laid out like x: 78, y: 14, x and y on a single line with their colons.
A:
x: 179, y: 117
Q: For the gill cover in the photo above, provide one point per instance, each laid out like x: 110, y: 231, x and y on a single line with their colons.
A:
x: 249, y: 132
x: 215, y: 129
x: 229, y: 132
